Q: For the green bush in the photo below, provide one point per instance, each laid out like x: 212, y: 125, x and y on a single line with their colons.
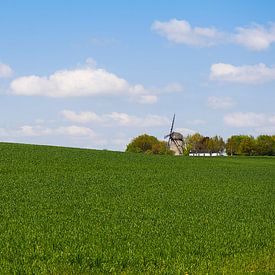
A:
x: 148, y: 145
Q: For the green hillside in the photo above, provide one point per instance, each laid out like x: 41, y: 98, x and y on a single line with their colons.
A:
x: 66, y: 210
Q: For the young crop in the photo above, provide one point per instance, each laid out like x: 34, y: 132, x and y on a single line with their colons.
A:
x: 67, y: 210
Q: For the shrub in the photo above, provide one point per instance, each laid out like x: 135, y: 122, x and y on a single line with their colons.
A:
x: 149, y: 145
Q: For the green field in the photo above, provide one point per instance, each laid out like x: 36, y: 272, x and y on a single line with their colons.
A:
x: 66, y: 210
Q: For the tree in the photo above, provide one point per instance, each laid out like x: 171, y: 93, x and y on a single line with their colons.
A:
x: 265, y: 145
x: 149, y: 145
x: 247, y: 146
x: 232, y: 145
x: 199, y: 143
x: 215, y: 144
x: 221, y: 144
x: 196, y: 142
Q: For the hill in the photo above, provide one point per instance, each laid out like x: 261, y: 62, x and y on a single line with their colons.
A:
x: 66, y: 210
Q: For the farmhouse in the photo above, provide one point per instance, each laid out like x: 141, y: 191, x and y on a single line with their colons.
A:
x: 206, y: 153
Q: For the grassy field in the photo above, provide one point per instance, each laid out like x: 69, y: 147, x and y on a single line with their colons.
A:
x: 65, y: 210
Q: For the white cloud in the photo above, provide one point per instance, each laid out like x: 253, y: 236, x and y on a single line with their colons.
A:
x: 115, y: 119
x: 249, y: 119
x: 255, y: 37
x: 71, y: 135
x: 66, y: 83
x: 88, y: 81
x: 248, y: 74
x: 147, y: 99
x: 76, y: 131
x: 5, y: 71
x: 147, y: 121
x: 259, y: 122
x: 81, y: 117
x: 32, y: 131
x: 220, y: 102
x: 181, y: 32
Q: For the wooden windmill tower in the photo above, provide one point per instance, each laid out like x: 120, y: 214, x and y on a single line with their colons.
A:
x: 175, y: 141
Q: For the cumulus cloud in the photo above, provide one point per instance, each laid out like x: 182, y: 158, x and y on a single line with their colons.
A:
x: 255, y: 37
x: 247, y: 74
x: 115, y: 119
x: 5, y: 71
x: 88, y: 81
x: 66, y: 83
x: 249, y: 119
x: 181, y: 32
x: 214, y: 102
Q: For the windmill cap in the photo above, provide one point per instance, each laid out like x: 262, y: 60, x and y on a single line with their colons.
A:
x: 177, y: 136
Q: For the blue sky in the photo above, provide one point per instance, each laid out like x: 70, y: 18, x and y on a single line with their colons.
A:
x: 98, y: 73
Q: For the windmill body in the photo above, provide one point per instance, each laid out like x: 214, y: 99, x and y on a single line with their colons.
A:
x: 175, y: 141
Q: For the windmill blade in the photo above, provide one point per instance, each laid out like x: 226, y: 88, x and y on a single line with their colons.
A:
x: 169, y: 141
x: 172, y: 126
x: 167, y: 136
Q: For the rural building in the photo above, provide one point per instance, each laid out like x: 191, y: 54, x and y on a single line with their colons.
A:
x: 206, y: 153
x: 176, y: 143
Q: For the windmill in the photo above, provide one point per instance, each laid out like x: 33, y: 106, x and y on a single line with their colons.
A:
x: 175, y: 141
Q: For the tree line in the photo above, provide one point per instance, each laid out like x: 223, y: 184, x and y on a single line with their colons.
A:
x: 263, y: 145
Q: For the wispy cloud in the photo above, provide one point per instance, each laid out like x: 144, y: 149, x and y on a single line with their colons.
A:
x: 115, y: 119
x: 37, y: 130
x: 75, y: 135
x: 254, y: 37
x: 173, y: 87
x: 181, y: 32
x: 247, y: 74
x: 5, y: 70
x: 249, y: 120
x: 214, y: 102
